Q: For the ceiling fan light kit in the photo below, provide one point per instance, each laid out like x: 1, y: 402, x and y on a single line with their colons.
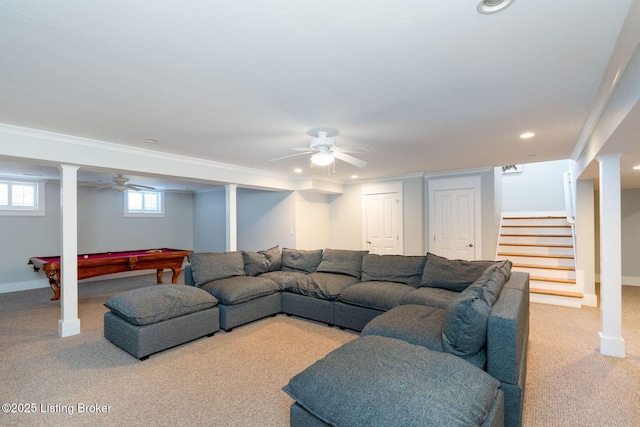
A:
x: 323, y: 158
x: 324, y: 149
x: 492, y: 6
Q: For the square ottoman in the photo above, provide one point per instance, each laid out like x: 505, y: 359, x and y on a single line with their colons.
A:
x: 148, y: 320
x: 381, y: 381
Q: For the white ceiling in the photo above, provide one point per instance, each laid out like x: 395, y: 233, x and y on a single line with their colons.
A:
x: 426, y: 86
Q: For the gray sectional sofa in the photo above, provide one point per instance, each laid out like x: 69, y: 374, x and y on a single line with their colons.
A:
x: 477, y: 311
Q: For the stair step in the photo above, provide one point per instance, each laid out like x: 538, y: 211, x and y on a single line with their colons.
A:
x: 535, y: 226
x: 536, y: 217
x: 506, y: 254
x: 534, y: 235
x: 556, y: 293
x: 538, y: 245
x: 553, y: 280
x: 546, y: 267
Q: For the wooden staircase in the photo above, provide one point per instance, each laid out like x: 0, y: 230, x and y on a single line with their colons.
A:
x: 543, y: 247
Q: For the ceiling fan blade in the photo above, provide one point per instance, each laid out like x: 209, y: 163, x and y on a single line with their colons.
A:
x: 351, y: 149
x: 291, y: 155
x: 301, y: 148
x: 140, y: 186
x: 349, y: 159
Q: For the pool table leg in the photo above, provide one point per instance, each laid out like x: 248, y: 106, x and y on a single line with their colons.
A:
x: 159, y: 274
x: 176, y: 273
x: 55, y: 285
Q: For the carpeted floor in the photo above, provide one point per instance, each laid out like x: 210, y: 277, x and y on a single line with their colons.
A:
x: 235, y: 379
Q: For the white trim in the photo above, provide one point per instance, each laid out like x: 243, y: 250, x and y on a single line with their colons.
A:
x: 383, y: 188
x: 457, y: 183
x: 24, y: 286
x: 626, y: 280
x: 590, y: 300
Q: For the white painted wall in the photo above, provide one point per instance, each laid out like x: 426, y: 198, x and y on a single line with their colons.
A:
x: 265, y: 219
x: 585, y: 237
x: 539, y: 187
x: 312, y: 229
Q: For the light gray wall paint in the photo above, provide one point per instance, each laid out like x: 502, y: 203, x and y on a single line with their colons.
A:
x: 630, y: 206
x: 312, y: 220
x: 265, y: 219
x: 630, y: 223
x: 585, y: 234
x: 539, y: 187
x: 209, y: 221
x: 101, y: 227
x: 23, y: 237
x: 413, y: 220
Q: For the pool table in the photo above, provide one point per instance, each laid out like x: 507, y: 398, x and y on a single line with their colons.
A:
x: 92, y: 265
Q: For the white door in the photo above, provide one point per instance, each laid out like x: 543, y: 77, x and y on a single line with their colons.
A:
x: 382, y: 233
x: 454, y: 236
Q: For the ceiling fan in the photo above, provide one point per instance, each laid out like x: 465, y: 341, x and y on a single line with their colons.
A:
x: 324, y: 149
x: 121, y: 183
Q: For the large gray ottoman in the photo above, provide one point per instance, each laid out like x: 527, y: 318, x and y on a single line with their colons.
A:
x: 148, y: 320
x: 381, y: 381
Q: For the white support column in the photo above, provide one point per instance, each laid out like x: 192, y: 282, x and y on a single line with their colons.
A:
x: 231, y: 215
x: 69, y: 324
x: 611, y: 341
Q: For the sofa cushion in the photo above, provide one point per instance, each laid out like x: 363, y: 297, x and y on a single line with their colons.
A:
x: 342, y: 261
x: 256, y: 263
x: 452, y: 274
x: 380, y: 381
x: 156, y: 303
x: 239, y: 289
x: 286, y: 280
x: 492, y: 280
x: 304, y: 261
x: 415, y: 324
x: 209, y: 266
x: 393, y: 268
x: 432, y: 297
x: 377, y: 295
x: 464, y: 332
x: 323, y: 285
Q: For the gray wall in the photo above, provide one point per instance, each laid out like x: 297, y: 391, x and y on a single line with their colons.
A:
x: 209, y: 221
x: 265, y: 219
x: 539, y: 187
x: 101, y: 227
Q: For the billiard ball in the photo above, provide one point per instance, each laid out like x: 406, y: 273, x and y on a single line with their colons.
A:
x: 86, y: 256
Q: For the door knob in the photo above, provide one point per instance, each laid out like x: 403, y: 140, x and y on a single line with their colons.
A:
x: 470, y: 245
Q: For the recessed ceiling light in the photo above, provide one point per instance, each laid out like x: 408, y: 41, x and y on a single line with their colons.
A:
x: 637, y: 167
x: 297, y: 170
x: 527, y: 135
x: 493, y: 6
x: 150, y: 140
x: 354, y: 176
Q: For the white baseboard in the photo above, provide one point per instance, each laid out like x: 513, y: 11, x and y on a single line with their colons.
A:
x: 590, y: 300
x: 44, y: 282
x: 626, y: 280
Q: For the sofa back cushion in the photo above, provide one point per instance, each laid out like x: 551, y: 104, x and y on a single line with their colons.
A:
x: 260, y: 262
x: 492, y: 280
x: 393, y: 268
x: 464, y: 332
x: 304, y: 261
x: 342, y: 262
x: 209, y: 266
x: 451, y: 274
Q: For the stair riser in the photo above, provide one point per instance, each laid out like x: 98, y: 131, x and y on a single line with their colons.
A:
x: 537, y: 250
x: 556, y: 300
x: 537, y: 240
x: 560, y: 287
x: 537, y: 231
x: 540, y: 261
x: 543, y: 272
x: 535, y: 221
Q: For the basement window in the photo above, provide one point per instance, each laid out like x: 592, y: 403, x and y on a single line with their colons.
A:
x: 21, y: 198
x: 143, y: 204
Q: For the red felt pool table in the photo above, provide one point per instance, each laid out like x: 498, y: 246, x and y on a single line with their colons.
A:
x: 92, y: 265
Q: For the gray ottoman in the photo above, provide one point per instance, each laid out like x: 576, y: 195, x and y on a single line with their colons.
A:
x: 148, y: 320
x: 381, y: 381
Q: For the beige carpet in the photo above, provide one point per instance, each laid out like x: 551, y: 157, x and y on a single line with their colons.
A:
x: 235, y: 379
